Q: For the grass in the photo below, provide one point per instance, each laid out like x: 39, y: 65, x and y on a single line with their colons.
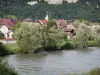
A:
x: 92, y: 43
x: 14, y: 48
x: 95, y: 71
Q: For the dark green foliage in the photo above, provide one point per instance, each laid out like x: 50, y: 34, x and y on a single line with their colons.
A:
x: 16, y: 26
x: 1, y: 35
x: 68, y: 45
x: 51, y: 23
x: 79, y: 10
x: 4, y: 70
x: 92, y: 43
x: 3, y: 50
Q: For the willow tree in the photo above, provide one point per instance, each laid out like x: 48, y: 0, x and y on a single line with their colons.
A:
x: 31, y: 37
x: 82, y: 35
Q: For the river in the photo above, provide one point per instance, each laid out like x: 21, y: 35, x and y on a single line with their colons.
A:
x: 55, y: 63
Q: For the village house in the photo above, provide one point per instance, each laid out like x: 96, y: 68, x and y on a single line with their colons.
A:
x: 68, y: 27
x: 5, y: 28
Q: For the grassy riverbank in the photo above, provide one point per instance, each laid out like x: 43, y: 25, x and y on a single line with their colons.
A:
x: 95, y: 71
x: 14, y: 48
x: 68, y: 45
x: 5, y: 70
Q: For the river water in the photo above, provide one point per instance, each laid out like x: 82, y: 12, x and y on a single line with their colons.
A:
x: 55, y: 63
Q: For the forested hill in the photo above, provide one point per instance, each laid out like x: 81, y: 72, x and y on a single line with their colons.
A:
x: 83, y: 9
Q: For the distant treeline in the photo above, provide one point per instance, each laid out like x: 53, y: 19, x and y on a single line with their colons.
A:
x: 83, y: 9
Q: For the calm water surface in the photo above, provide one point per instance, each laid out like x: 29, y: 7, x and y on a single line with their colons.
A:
x: 55, y: 63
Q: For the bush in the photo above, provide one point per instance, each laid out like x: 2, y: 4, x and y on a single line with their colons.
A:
x: 4, y: 50
x: 92, y: 43
x: 4, y: 70
x: 68, y: 45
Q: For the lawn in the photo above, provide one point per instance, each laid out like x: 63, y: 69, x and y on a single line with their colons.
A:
x: 14, y: 48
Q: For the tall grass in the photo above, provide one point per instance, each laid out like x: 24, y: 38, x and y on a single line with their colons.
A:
x: 95, y: 71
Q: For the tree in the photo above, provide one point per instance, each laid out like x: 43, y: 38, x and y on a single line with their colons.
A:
x: 51, y: 23
x: 82, y: 35
x: 97, y: 35
x: 15, y: 27
x: 31, y: 38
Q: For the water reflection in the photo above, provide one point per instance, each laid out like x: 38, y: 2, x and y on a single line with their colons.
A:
x: 56, y: 63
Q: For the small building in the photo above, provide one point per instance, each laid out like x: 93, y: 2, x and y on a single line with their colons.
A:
x: 6, y: 26
x: 68, y: 27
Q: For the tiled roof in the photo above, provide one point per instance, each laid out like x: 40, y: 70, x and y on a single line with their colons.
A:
x: 7, y: 22
x: 61, y: 23
x: 43, y: 21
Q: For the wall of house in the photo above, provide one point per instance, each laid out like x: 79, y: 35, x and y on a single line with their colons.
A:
x: 4, y: 29
x: 60, y: 1
x: 4, y: 41
x: 7, y: 33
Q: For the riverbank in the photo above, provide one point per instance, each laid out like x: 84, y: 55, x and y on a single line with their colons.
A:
x: 6, y: 70
x: 95, y: 71
x: 68, y: 45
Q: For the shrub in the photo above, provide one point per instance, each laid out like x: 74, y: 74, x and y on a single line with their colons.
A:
x: 92, y: 43
x: 4, y: 50
x: 68, y: 45
x: 4, y: 70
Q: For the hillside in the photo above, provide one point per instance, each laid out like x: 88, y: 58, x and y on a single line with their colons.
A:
x: 82, y: 9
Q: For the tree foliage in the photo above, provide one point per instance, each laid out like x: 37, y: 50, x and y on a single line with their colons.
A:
x: 79, y: 10
x: 51, y: 23
x: 83, y: 34
x: 31, y: 38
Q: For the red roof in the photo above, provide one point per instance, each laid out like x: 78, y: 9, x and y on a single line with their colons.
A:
x: 7, y: 22
x: 61, y: 23
x: 43, y: 21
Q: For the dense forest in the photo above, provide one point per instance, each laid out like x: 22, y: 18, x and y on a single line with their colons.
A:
x: 83, y: 9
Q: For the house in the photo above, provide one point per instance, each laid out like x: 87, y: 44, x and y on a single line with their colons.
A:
x: 68, y: 27
x: 61, y: 23
x: 5, y: 27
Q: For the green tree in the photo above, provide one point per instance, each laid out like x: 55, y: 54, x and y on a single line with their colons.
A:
x: 82, y: 36
x: 51, y: 23
x: 15, y: 27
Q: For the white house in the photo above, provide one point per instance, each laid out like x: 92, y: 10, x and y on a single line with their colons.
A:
x: 5, y: 28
